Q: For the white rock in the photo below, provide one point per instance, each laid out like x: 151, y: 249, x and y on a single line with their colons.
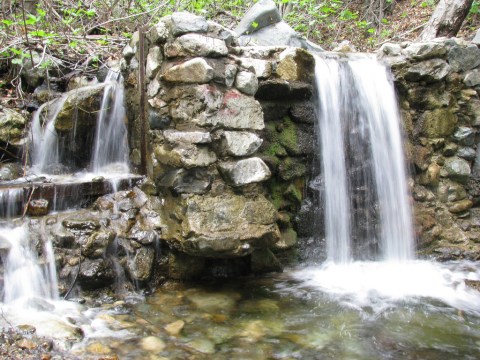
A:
x: 262, y: 68
x: 153, y: 344
x: 241, y: 143
x: 192, y: 137
x: 196, y: 45
x: 246, y: 82
x: 245, y: 171
x: 154, y: 60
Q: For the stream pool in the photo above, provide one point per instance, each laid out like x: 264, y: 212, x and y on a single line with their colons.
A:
x: 304, y: 313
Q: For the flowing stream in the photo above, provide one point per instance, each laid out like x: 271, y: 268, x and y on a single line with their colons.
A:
x: 371, y: 299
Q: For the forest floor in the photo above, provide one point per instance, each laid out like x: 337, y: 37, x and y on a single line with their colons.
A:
x: 103, y: 41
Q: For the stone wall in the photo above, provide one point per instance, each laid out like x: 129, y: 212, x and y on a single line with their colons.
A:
x: 438, y: 85
x: 230, y: 134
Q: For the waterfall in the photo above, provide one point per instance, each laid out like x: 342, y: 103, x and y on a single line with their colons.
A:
x: 366, y: 204
x: 111, y: 133
x: 45, y: 140
x: 24, y: 277
x: 110, y: 138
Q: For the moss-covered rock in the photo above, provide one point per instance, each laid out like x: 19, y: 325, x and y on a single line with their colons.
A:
x: 439, y: 123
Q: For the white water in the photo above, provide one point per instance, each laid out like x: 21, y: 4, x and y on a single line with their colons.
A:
x: 111, y: 134
x: 24, y: 278
x: 359, y: 124
x: 12, y: 200
x: 110, y: 149
x: 357, y: 111
x: 331, y: 131
x: 45, y: 139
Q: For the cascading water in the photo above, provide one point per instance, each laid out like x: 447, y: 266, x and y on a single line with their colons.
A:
x: 24, y: 278
x: 110, y: 140
x: 362, y: 158
x: 111, y: 134
x: 366, y: 208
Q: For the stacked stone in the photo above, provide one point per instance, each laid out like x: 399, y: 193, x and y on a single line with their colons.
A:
x: 439, y: 84
x: 206, y: 138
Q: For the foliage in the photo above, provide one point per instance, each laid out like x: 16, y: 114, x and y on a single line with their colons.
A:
x: 85, y: 34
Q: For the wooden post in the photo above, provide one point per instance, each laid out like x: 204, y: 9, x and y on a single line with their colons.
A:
x: 141, y: 84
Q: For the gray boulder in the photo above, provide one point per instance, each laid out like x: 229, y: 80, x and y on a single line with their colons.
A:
x: 472, y: 78
x: 457, y: 169
x: 429, y: 71
x: 464, y: 58
x: 279, y: 34
x: 226, y: 226
x: 264, y: 13
x: 185, y: 155
x: 12, y: 126
x: 185, y: 22
x: 261, y: 68
x: 191, y: 71
x: 238, y: 111
x: 425, y: 50
x: 476, y: 39
x: 191, y: 137
x: 196, y: 45
x: 35, y: 73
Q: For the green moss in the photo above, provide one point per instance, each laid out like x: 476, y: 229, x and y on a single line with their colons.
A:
x: 276, y: 191
x: 294, y: 194
x: 275, y: 149
x: 291, y: 168
x: 288, y: 136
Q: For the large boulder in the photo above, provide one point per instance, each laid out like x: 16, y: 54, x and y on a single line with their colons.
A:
x: 264, y: 13
x: 79, y: 108
x: 227, y: 225
x: 237, y: 111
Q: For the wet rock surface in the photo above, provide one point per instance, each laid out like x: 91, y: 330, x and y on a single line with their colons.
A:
x: 438, y: 94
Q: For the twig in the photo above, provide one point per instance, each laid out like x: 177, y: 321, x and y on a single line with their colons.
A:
x: 124, y: 18
x: 5, y: 318
x: 402, y: 34
x: 76, y: 275
x: 26, y: 32
x: 28, y: 201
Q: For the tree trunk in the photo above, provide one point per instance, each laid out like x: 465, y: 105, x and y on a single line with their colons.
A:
x: 446, y: 20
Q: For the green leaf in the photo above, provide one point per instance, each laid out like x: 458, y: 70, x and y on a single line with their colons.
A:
x: 7, y: 22
x: 254, y: 24
x: 41, y: 12
x: 90, y: 12
x: 17, y: 61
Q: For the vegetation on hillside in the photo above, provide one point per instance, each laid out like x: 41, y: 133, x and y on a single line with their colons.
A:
x: 85, y: 34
